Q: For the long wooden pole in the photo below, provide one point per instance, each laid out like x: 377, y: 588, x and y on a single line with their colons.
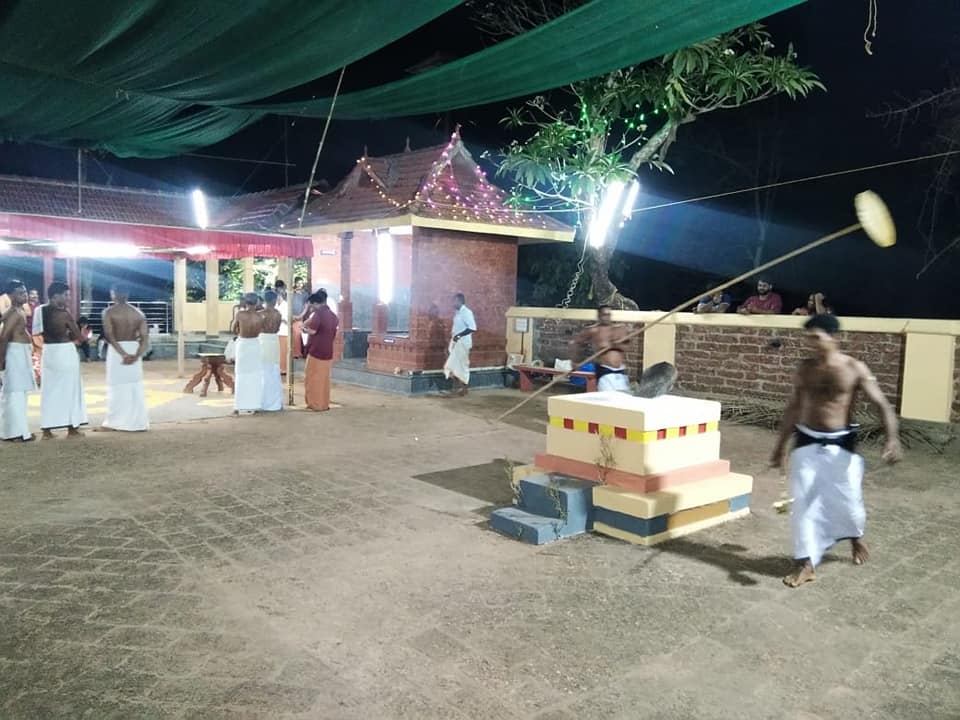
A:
x: 686, y: 303
x: 286, y: 271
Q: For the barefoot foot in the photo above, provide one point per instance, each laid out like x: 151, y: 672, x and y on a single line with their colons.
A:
x: 860, y: 552
x: 801, y: 574
x: 74, y: 433
x: 47, y: 435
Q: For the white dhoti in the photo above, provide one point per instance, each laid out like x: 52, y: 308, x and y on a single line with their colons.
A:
x: 248, y: 374
x: 458, y: 362
x: 18, y: 381
x: 126, y: 402
x: 61, y: 394
x: 612, y: 379
x: 826, y: 482
x: 272, y: 393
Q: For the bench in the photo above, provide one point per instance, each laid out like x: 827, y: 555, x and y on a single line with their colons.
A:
x: 527, y: 373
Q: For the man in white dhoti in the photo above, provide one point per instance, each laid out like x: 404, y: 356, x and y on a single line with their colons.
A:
x: 283, y: 332
x: 461, y: 341
x: 248, y: 362
x: 127, y: 336
x: 272, y: 388
x: 16, y: 362
x: 62, y: 404
x: 611, y: 368
x: 826, y: 473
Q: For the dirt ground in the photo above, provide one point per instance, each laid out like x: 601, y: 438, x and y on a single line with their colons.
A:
x: 339, y: 566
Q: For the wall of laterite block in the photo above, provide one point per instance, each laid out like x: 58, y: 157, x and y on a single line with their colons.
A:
x: 756, y: 357
x: 760, y: 362
x: 955, y: 414
x: 444, y: 262
x: 551, y: 340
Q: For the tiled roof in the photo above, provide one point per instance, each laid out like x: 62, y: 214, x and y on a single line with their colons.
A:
x: 441, y: 182
x: 361, y: 197
x: 35, y: 196
x: 262, y: 211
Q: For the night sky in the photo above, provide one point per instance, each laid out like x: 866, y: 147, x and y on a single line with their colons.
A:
x: 672, y: 253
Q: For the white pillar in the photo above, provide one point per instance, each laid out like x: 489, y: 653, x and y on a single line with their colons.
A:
x: 180, y: 307
x: 213, y: 297
x: 247, y: 274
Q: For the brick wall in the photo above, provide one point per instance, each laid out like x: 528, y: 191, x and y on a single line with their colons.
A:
x: 760, y: 362
x: 444, y: 262
x: 955, y: 415
x: 551, y: 340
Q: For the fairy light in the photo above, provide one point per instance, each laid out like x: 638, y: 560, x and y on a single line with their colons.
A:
x: 443, y: 195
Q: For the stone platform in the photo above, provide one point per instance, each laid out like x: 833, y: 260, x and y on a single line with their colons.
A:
x: 655, y: 465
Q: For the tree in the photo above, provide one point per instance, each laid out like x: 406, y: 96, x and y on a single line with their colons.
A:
x: 606, y: 129
x: 940, y: 114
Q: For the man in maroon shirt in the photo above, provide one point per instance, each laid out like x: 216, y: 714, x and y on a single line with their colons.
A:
x: 765, y: 302
x: 321, y: 329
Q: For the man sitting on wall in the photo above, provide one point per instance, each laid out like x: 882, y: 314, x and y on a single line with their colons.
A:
x: 765, y: 302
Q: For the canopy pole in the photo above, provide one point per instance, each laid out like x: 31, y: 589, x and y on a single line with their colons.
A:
x: 323, y: 138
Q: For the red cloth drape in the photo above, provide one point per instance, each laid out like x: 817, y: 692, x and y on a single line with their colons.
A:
x: 223, y: 244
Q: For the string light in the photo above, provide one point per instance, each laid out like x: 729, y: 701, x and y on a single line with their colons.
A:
x: 479, y: 201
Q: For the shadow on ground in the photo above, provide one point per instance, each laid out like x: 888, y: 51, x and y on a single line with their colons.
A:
x: 489, y: 482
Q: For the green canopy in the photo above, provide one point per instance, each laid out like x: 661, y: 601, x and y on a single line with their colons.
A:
x: 155, y: 77
x: 594, y: 39
x: 151, y: 78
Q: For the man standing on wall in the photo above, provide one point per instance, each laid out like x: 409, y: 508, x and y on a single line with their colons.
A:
x: 16, y: 362
x: 461, y: 341
x: 605, y: 337
x: 826, y: 474
x: 321, y: 328
x: 125, y: 330
x: 62, y: 404
x: 248, y: 363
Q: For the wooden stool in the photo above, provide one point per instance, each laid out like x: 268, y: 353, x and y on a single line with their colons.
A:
x: 213, y: 367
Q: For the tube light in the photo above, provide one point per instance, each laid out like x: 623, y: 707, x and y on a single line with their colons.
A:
x: 200, y: 209
x: 385, y: 267
x: 604, y: 214
x: 197, y: 250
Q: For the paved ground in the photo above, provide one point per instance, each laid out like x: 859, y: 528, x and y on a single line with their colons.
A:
x: 349, y: 574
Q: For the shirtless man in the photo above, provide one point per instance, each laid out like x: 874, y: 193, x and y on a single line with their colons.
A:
x: 125, y: 329
x: 61, y: 398
x: 271, y: 353
x: 16, y: 350
x: 248, y: 363
x: 826, y: 474
x: 611, y: 366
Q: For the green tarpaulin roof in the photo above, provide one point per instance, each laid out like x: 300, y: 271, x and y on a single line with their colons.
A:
x: 151, y: 78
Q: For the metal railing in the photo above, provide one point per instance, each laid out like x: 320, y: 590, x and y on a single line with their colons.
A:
x: 159, y: 314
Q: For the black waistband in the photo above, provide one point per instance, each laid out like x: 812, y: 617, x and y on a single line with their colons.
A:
x: 847, y: 441
x: 601, y: 370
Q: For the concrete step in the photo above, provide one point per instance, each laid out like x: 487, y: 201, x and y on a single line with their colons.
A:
x: 560, y: 497
x: 527, y: 527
